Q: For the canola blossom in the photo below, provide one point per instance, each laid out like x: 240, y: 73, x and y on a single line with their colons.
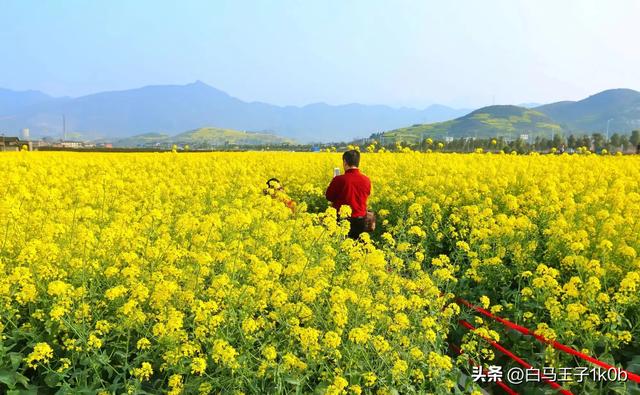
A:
x: 176, y: 273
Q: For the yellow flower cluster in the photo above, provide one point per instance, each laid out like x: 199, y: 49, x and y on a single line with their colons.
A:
x: 175, y: 273
x: 41, y: 353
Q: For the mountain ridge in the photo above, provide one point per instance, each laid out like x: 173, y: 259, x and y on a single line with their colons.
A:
x: 174, y: 108
x: 619, y: 109
x: 206, y: 137
x: 11, y: 101
x: 591, y: 114
x: 506, y: 121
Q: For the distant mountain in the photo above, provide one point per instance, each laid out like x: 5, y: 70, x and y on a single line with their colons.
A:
x: 174, y: 108
x: 171, y: 109
x: 14, y: 101
x: 621, y: 106
x: 529, y: 105
x: 502, y: 121
x: 204, y: 138
x: 143, y: 140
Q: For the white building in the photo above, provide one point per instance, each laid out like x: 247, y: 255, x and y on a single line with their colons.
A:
x: 71, y: 144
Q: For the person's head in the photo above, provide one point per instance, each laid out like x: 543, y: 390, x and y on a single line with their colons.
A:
x: 351, y: 159
x: 273, y: 185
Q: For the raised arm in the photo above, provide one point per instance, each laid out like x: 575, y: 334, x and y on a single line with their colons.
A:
x: 333, y: 190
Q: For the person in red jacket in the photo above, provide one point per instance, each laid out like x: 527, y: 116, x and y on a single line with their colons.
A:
x: 351, y: 188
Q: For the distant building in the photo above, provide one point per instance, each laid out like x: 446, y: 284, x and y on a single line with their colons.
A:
x: 35, y: 144
x: 25, y: 134
x: 11, y: 143
x: 71, y: 144
x: 524, y: 137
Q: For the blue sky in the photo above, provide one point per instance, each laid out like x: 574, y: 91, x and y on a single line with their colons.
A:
x: 465, y: 53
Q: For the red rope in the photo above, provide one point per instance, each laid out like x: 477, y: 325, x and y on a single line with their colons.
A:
x: 514, y: 357
x: 555, y: 344
x: 499, y: 382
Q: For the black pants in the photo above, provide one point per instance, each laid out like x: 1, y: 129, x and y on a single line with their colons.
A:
x: 357, y: 227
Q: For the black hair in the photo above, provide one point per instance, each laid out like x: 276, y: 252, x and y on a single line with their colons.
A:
x: 270, y: 180
x: 352, y: 157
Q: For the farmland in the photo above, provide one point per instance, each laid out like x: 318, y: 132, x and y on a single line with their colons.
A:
x: 175, y: 273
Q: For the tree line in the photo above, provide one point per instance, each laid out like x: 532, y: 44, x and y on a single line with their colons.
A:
x: 595, y: 142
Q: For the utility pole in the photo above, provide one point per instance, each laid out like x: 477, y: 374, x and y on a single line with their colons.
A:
x: 475, y: 142
x: 64, y: 128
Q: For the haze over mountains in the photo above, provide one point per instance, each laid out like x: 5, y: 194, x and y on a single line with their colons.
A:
x: 173, y: 109
x: 168, y: 110
x: 11, y: 102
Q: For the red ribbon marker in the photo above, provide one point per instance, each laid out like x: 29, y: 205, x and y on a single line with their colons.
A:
x: 500, y: 383
x: 514, y: 357
x: 542, y: 339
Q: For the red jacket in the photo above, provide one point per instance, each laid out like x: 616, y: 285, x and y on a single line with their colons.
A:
x: 352, y: 188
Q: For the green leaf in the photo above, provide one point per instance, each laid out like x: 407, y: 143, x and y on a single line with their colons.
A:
x: 52, y: 380
x: 321, y: 388
x: 634, y: 364
x: 103, y: 358
x: 292, y: 380
x: 23, y: 392
x: 16, y: 360
x: 21, y: 379
x: 8, y: 378
x: 624, y: 388
x: 64, y: 390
